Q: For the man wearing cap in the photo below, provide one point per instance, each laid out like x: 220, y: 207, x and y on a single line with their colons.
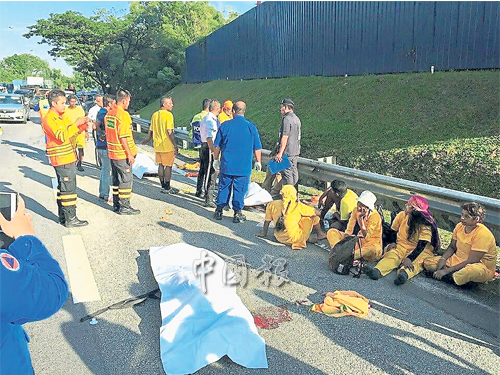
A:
x: 226, y: 113
x: 367, y: 219
x: 289, y: 143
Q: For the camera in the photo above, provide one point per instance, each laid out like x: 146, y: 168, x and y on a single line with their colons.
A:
x: 8, y: 206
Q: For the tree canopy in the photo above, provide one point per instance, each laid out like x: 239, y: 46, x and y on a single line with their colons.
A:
x: 142, y: 51
x: 26, y: 65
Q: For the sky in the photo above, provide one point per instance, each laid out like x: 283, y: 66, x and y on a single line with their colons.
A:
x: 16, y: 15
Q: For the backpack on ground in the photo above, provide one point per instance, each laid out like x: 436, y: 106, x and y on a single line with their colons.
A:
x: 388, y: 234
x: 341, y: 257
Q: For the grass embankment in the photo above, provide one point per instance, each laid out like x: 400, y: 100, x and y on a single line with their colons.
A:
x: 440, y: 129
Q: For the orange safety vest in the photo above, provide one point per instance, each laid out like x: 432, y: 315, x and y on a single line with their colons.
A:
x: 58, y: 133
x: 118, y: 125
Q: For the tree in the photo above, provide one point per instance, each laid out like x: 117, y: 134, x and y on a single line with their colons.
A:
x: 142, y: 51
x: 23, y: 66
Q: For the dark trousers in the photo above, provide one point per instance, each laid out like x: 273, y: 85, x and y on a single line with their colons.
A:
x: 206, y: 175
x: 122, y: 183
x: 239, y: 185
x: 272, y: 183
x: 66, y: 191
x: 291, y: 174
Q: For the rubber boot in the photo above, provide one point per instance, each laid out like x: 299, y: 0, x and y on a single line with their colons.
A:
x: 60, y: 210
x: 116, y: 201
x: 71, y: 219
x: 126, y: 208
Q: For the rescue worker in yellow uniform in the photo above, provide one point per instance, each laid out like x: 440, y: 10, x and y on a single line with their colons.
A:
x: 293, y: 220
x: 73, y: 113
x: 471, y: 256
x: 59, y: 130
x: 122, y: 152
x: 370, y: 229
x: 227, y: 112
x: 416, y: 240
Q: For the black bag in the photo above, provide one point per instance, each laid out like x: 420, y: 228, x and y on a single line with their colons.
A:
x: 388, y: 234
x: 341, y: 257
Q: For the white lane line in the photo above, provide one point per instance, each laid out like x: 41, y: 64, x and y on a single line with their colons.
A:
x: 81, y: 279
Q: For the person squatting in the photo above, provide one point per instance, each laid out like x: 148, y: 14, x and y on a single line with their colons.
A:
x: 227, y: 144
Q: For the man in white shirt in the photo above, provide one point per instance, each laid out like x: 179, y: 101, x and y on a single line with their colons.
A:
x: 98, y: 105
x: 92, y: 114
x: 208, y: 130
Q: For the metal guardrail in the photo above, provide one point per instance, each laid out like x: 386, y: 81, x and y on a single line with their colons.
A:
x: 181, y: 134
x: 392, y: 192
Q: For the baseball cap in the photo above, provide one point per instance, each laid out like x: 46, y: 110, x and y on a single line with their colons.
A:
x: 228, y: 104
x: 287, y: 102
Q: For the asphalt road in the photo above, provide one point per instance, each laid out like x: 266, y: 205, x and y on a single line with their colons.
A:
x: 423, y: 327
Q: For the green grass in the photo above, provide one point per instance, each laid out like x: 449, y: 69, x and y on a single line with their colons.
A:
x: 381, y: 123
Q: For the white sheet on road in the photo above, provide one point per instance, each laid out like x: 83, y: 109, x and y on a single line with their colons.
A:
x: 144, y: 164
x: 254, y: 196
x: 198, y: 329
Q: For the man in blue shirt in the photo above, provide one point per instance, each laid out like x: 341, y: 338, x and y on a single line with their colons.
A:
x: 102, y: 148
x: 237, y: 139
x: 33, y: 288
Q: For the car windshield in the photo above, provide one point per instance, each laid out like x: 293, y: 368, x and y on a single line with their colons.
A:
x: 10, y: 99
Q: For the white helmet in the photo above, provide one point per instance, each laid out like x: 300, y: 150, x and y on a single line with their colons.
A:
x: 368, y: 199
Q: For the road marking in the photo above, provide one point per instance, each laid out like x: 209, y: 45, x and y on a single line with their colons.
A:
x: 81, y: 278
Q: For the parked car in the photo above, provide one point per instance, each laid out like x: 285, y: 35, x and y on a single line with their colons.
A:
x: 25, y: 92
x: 14, y: 107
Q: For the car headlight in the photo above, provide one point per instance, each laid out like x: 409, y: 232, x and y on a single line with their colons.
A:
x: 20, y: 111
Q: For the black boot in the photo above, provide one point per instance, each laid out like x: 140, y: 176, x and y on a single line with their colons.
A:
x: 60, y: 212
x: 71, y: 221
x: 126, y: 209
x: 238, y: 217
x: 401, y: 279
x: 79, y: 166
x: 373, y: 273
x: 116, y: 202
x: 218, y: 213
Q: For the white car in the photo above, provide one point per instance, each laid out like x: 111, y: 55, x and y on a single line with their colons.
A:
x: 14, y: 107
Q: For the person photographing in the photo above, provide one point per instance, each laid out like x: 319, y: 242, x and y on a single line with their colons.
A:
x: 33, y: 288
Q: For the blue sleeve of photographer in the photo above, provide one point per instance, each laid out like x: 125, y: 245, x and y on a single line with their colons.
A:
x: 33, y: 288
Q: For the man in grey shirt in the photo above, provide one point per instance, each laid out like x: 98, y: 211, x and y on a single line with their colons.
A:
x: 289, y: 143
